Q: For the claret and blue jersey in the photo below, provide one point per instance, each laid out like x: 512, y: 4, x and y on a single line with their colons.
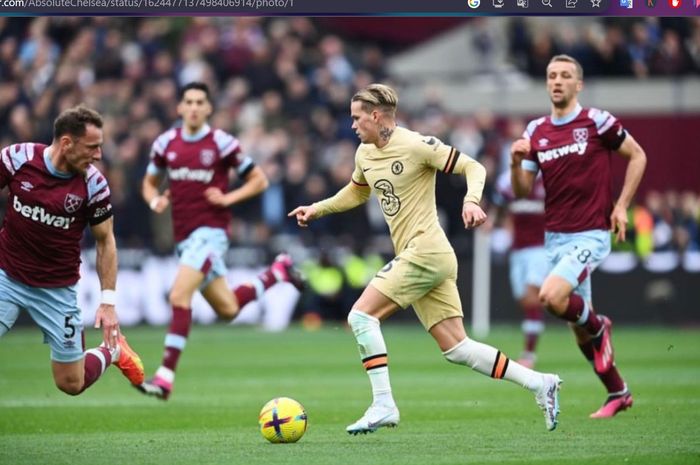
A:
x: 192, y: 164
x: 47, y: 213
x: 570, y: 152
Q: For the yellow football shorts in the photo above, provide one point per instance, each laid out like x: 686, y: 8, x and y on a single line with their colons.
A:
x: 431, y: 286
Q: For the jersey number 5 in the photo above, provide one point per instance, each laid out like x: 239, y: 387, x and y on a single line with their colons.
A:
x: 70, y: 328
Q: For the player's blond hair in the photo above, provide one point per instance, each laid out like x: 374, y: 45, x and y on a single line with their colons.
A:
x: 377, y: 96
x: 569, y: 59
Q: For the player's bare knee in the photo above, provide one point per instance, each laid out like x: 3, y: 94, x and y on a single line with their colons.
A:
x: 179, y: 298
x: 361, y: 322
x: 552, y: 301
x: 531, y: 296
x: 227, y: 312
x: 546, y: 297
x: 70, y: 386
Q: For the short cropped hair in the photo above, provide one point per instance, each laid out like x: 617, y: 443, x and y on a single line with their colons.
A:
x: 377, y: 96
x: 74, y: 121
x: 569, y: 59
x: 197, y: 86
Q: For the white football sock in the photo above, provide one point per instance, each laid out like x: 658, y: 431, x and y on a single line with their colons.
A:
x: 115, y: 352
x: 373, y: 352
x: 491, y: 362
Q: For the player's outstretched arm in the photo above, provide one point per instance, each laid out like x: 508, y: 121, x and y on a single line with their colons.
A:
x: 631, y: 150
x: 304, y: 214
x: 350, y: 196
x: 106, y: 264
x: 522, y: 180
x: 253, y: 184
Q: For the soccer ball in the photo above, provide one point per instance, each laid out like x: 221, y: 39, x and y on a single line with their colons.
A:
x: 282, y: 420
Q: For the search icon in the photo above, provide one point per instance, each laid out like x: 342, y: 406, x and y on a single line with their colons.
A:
x: 547, y: 3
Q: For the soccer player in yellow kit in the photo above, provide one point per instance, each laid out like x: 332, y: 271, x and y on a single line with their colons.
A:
x: 399, y: 166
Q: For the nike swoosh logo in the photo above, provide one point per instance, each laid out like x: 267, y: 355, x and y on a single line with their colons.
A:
x: 364, y: 170
x: 375, y: 424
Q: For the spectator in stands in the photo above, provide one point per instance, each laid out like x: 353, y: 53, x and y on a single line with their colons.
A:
x: 670, y: 58
x: 663, y: 219
x: 291, y: 73
x: 687, y: 228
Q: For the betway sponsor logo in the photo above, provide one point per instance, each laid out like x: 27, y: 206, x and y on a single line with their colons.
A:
x: 40, y: 215
x: 186, y: 174
x: 526, y: 206
x: 578, y: 148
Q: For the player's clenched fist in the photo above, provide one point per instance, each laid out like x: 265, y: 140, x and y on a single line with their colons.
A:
x: 473, y: 215
x: 303, y: 214
x: 518, y: 150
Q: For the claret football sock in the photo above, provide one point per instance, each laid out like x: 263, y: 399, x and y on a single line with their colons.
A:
x: 176, y: 339
x: 96, y: 362
x: 611, y: 379
x: 578, y: 311
x: 533, y: 326
x: 281, y: 270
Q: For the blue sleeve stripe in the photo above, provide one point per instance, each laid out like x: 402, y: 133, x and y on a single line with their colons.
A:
x: 153, y: 170
x: 529, y: 165
x: 95, y: 183
x: 5, y: 156
x: 225, y: 142
x: 18, y: 153
x: 531, y: 126
x: 603, y: 119
x: 245, y: 165
x: 100, y: 195
x: 161, y: 142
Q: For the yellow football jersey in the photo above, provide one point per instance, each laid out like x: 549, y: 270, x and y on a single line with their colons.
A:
x: 402, y: 176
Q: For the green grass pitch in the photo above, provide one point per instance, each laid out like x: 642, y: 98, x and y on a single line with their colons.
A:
x: 449, y: 414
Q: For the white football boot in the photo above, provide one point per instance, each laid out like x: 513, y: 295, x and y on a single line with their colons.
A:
x: 547, y: 398
x: 376, y: 416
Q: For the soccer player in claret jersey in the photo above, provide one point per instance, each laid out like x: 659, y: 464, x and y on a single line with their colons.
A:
x: 572, y: 148
x: 55, y: 192
x: 400, y: 166
x: 528, y: 260
x: 197, y: 160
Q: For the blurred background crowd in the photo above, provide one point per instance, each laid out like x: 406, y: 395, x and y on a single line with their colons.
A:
x: 283, y: 85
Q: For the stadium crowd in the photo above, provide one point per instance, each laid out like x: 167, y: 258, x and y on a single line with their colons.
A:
x: 282, y: 85
x: 612, y: 47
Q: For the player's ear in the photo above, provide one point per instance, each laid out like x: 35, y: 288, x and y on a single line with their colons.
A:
x: 65, y: 142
